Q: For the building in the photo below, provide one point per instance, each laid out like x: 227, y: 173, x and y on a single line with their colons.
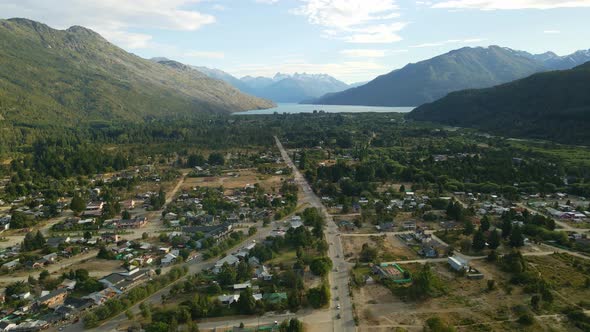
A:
x: 123, y: 281
x: 169, y: 259
x: 228, y: 299
x: 54, y: 298
x: 229, y: 259
x: 458, y: 263
x: 11, y: 265
x: 137, y: 222
x: 109, y: 237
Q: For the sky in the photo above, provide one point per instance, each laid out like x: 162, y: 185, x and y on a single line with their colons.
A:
x: 352, y: 40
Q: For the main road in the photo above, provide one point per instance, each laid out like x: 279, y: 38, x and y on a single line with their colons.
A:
x: 338, y: 278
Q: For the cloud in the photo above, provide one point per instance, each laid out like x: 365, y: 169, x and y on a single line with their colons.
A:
x: 447, y: 42
x: 511, y: 4
x: 204, y: 55
x: 551, y: 31
x: 369, y: 53
x: 116, y: 20
x: 363, y: 53
x: 354, y: 21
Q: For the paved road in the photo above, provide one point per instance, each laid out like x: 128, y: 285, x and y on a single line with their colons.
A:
x: 338, y: 280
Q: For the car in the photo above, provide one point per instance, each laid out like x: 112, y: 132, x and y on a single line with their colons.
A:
x: 338, y: 306
x: 338, y: 316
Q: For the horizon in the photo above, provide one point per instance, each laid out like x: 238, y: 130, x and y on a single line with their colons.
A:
x: 350, y: 40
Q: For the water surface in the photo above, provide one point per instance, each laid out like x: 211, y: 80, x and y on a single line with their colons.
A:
x: 301, y: 108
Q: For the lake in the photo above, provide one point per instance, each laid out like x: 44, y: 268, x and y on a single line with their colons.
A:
x: 301, y: 108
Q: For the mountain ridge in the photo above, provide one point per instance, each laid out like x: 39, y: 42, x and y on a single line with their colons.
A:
x: 75, y: 75
x: 464, y: 68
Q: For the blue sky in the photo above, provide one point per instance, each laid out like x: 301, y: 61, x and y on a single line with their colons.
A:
x: 353, y: 40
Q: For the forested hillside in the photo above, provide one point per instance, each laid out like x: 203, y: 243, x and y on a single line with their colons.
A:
x: 553, y: 105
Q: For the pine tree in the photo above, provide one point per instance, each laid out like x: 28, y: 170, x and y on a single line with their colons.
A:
x: 78, y: 204
x: 479, y: 242
x: 516, y: 238
x: 494, y: 240
x: 485, y: 224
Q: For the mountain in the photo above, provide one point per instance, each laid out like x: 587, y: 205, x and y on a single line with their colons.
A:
x: 299, y: 87
x: 69, y: 76
x: 551, y: 105
x: 282, y: 88
x: 465, y: 68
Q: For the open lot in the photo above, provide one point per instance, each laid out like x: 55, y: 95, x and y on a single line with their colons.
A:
x: 389, y: 247
x: 235, y: 179
x: 470, y: 306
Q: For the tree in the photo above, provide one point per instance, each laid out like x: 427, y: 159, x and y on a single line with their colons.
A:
x: 479, y: 242
x: 535, y: 300
x: 321, y: 266
x: 244, y: 271
x: 516, y: 238
x: 422, y: 286
x: 435, y: 324
x: 126, y: 215
x: 485, y: 223
x: 78, y: 204
x: 87, y: 235
x: 246, y: 303
x: 494, y: 240
x: 506, y: 227
x: 227, y: 275
x: 368, y: 253
x: 402, y: 189
x: 252, y: 230
x: 319, y: 296
x: 216, y: 158
x: 468, y: 227
x: 491, y: 284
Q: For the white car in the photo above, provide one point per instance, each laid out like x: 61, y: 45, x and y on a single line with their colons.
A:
x: 338, y: 306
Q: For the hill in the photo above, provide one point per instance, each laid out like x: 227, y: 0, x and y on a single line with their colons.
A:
x: 465, y: 68
x: 54, y: 76
x: 553, y: 105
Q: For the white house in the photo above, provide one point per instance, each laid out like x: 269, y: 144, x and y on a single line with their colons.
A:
x: 458, y: 263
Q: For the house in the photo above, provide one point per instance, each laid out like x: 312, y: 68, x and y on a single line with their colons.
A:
x: 262, y: 273
x: 11, y: 265
x: 239, y: 287
x: 296, y: 222
x: 7, y: 326
x: 5, y: 223
x: 168, y: 259
x: 67, y: 284
x: 228, y: 299
x: 229, y: 259
x: 458, y: 263
x: 428, y: 251
x: 385, y: 227
x: 53, y: 299
x: 31, y: 325
x: 50, y: 258
x: 409, y: 225
x: 102, y: 296
x: 137, y: 222
x: 54, y: 242
x: 109, y: 237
